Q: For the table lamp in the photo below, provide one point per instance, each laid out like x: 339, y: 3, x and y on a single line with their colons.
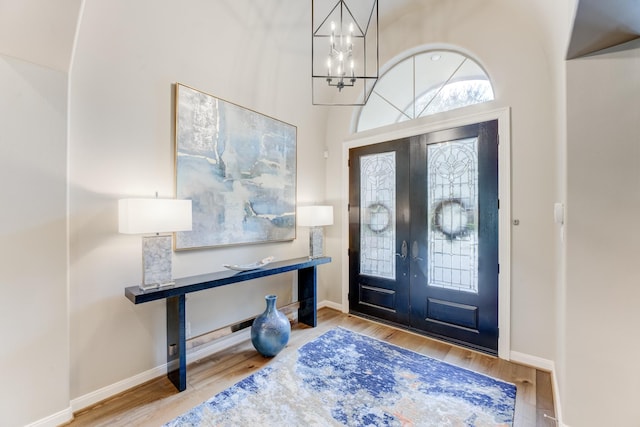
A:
x: 146, y: 216
x: 315, y: 217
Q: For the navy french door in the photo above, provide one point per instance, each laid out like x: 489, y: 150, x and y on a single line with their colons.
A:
x: 423, y: 234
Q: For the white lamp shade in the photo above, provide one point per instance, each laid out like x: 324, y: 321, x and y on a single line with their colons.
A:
x: 140, y: 216
x: 315, y: 216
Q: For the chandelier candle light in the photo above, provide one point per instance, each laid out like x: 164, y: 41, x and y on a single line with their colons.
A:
x: 337, y: 54
x: 315, y: 217
x: 344, y: 50
x: 147, y: 216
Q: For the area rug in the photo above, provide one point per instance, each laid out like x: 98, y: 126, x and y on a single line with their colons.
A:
x: 345, y: 378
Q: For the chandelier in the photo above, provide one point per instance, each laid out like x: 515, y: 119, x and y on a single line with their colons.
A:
x: 344, y: 51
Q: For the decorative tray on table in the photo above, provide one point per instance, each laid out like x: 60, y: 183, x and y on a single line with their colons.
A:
x: 248, y: 267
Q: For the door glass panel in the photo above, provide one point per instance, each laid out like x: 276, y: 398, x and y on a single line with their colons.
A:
x: 452, y: 200
x: 377, y: 221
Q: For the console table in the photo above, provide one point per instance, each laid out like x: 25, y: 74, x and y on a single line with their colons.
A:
x: 175, y: 300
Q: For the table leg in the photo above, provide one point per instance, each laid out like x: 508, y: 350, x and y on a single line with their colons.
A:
x: 176, y: 342
x: 307, y: 295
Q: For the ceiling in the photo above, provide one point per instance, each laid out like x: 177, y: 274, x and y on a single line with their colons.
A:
x: 600, y: 24
x: 39, y: 31
x: 43, y: 31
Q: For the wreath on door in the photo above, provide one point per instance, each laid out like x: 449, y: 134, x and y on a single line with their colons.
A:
x: 452, y: 218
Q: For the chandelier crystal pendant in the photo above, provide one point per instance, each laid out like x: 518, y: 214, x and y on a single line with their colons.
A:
x: 344, y: 51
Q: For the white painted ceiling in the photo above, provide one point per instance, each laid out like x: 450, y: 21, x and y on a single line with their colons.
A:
x: 43, y: 31
x: 39, y: 31
x: 600, y: 24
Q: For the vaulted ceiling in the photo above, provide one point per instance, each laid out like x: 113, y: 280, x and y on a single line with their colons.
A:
x: 600, y: 24
x: 43, y: 31
x: 39, y: 31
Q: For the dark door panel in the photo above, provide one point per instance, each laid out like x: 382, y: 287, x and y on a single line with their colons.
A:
x: 442, y: 224
x: 454, y: 277
x: 378, y: 229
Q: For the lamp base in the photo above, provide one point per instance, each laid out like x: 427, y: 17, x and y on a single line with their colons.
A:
x: 156, y: 262
x: 316, y: 242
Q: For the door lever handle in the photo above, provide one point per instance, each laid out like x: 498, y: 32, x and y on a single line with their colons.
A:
x: 415, y: 251
x: 404, y: 250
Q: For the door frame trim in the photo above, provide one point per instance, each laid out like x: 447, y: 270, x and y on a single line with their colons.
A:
x: 426, y: 125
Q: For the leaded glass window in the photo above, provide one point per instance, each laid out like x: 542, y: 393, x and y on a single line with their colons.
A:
x: 426, y: 83
x: 452, y: 200
x: 377, y: 221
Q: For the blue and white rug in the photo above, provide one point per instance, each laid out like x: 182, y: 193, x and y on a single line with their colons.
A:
x: 344, y: 378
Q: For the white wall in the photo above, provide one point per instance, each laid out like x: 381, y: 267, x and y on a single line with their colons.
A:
x: 562, y: 17
x: 512, y: 44
x: 121, y: 144
x: 33, y: 167
x: 129, y: 55
x: 601, y: 370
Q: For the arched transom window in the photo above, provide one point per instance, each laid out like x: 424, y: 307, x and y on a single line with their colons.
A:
x: 426, y: 83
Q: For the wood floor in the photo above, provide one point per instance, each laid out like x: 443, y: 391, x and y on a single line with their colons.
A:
x: 157, y: 401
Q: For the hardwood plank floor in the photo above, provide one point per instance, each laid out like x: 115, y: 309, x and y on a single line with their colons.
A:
x: 157, y: 401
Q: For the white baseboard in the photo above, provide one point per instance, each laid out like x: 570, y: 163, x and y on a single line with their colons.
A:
x: 54, y: 420
x: 533, y: 361
x: 96, y: 396
x: 330, y: 304
x: 219, y: 345
x: 113, y: 389
x: 205, y: 350
x: 545, y: 365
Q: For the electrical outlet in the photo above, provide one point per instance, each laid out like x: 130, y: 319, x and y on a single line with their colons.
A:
x: 188, y: 331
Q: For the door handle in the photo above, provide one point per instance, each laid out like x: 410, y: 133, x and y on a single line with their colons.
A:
x: 404, y: 250
x: 415, y: 251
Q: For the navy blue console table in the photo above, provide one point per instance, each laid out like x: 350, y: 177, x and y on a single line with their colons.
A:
x: 175, y: 297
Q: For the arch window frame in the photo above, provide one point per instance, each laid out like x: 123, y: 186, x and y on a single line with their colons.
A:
x: 441, y: 72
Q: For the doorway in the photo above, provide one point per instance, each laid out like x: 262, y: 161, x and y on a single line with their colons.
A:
x: 423, y: 234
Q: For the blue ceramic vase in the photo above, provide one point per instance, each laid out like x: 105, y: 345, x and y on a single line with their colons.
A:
x: 270, y: 331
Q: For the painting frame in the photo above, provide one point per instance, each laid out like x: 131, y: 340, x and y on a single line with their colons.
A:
x: 239, y: 168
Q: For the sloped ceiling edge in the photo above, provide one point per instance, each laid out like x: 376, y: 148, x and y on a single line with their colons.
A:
x: 599, y: 25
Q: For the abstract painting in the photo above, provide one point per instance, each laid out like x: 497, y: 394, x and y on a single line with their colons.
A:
x: 239, y: 169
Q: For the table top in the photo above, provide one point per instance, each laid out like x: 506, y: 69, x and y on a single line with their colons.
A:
x: 201, y: 282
